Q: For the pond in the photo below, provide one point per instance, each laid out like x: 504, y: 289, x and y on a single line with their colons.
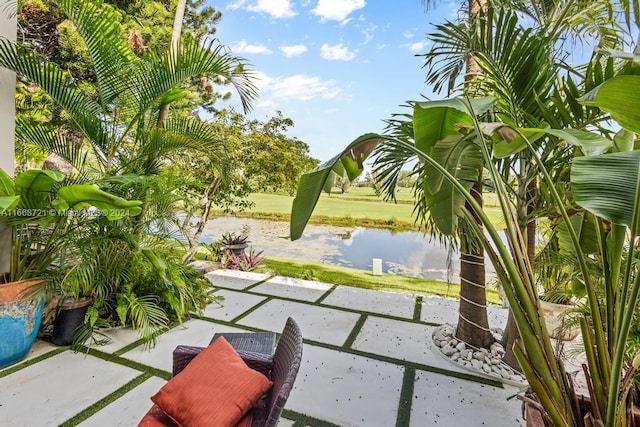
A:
x: 407, y: 253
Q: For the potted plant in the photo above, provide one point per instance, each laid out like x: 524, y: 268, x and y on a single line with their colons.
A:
x: 41, y: 213
x: 235, y: 243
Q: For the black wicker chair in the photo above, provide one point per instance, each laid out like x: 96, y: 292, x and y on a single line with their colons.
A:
x: 282, y: 369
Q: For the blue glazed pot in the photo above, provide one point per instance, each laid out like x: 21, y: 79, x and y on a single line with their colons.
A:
x: 20, y: 317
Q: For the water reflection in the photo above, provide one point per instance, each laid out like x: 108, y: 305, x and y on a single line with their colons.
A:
x: 407, y: 253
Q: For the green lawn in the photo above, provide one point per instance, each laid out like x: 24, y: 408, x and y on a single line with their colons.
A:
x: 358, y: 207
x: 364, y: 279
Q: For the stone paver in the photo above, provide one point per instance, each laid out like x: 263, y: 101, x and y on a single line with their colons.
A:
x: 233, y: 305
x: 441, y: 400
x: 235, y: 279
x: 129, y: 409
x: 287, y: 287
x: 345, y: 389
x: 401, y: 340
x: 337, y: 387
x: 322, y: 324
x: 54, y: 390
x: 194, y: 332
x: 439, y: 310
x: 389, y: 303
x: 119, y: 338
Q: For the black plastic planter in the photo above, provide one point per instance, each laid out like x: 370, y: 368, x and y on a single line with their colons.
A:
x: 69, y: 318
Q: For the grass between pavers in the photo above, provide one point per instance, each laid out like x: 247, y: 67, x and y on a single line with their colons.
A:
x: 404, y: 409
x: 363, y: 279
x: 21, y: 365
x: 107, y: 400
x: 417, y: 312
x: 346, y: 347
x: 406, y: 397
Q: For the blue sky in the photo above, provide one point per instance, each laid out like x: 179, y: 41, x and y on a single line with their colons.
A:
x: 337, y: 68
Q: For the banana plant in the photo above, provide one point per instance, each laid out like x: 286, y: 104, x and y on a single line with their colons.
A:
x: 605, y: 183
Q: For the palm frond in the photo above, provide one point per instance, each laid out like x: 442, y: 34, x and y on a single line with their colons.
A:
x: 98, y: 24
x: 157, y: 74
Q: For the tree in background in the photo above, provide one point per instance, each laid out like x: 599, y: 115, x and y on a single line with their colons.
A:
x: 270, y: 159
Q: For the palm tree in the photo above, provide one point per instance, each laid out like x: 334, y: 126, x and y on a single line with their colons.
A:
x: 112, y: 135
x: 503, y: 69
x: 473, y: 324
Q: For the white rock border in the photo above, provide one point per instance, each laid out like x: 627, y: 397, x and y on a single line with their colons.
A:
x: 486, y: 363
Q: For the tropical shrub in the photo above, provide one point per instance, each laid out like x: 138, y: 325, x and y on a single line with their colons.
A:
x: 112, y: 135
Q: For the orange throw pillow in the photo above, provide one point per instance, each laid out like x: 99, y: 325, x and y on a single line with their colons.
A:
x: 216, y: 389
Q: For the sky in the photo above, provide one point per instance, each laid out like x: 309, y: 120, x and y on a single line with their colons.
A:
x: 337, y: 68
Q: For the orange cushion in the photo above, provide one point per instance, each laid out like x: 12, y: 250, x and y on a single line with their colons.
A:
x: 246, y: 421
x: 215, y: 389
x: 156, y: 418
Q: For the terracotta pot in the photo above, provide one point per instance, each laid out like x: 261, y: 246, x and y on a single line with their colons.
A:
x: 20, y: 317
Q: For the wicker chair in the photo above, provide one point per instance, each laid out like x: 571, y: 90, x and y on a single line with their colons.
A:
x: 282, y: 369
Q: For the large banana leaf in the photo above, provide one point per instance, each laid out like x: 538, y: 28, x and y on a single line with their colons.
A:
x: 619, y: 98
x: 435, y: 120
x: 438, y: 132
x: 35, y: 186
x: 80, y: 196
x: 311, y: 185
x: 606, y: 185
x: 463, y: 159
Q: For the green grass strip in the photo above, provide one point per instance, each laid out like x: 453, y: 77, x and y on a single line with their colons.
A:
x: 109, y: 399
x: 129, y: 363
x: 252, y: 309
x: 250, y: 287
x: 326, y: 294
x: 322, y: 305
x: 417, y: 312
x: 355, y: 331
x: 21, y: 365
x: 406, y: 397
x: 142, y: 341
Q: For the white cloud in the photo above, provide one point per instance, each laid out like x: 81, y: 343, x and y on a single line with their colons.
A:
x: 237, y: 4
x: 418, y: 47
x: 293, y: 50
x: 244, y: 47
x: 298, y: 87
x: 408, y: 35
x: 336, y: 53
x: 275, y: 8
x: 337, y: 10
x: 368, y: 34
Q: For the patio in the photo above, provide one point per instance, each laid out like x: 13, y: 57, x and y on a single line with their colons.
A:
x: 368, y: 361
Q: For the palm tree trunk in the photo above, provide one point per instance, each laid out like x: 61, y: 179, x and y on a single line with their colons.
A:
x: 473, y: 325
x: 175, y: 38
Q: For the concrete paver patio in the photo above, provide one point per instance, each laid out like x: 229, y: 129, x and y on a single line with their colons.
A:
x: 367, y: 361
